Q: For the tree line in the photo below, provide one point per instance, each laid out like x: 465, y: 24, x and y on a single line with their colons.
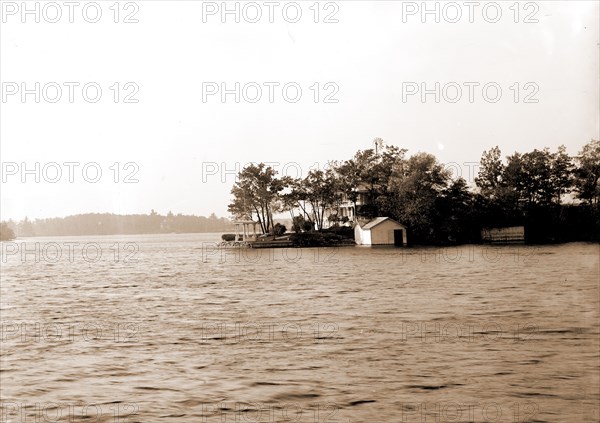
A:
x: 555, y: 196
x: 113, y: 224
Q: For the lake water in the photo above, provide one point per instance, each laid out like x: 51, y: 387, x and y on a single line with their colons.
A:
x: 163, y: 328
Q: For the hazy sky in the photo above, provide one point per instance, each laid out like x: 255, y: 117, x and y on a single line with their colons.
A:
x: 373, y: 54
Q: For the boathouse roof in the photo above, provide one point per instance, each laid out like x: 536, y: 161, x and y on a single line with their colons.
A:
x: 377, y: 221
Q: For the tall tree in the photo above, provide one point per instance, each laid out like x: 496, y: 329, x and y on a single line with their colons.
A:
x: 322, y: 193
x: 296, y: 197
x: 491, y: 169
x: 562, y: 173
x: 456, y: 214
x: 587, y: 174
x: 373, y: 169
x: 415, y: 185
x: 257, y: 192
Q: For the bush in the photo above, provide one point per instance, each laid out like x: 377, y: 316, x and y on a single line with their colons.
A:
x: 297, y: 224
x: 315, y: 239
x: 300, y: 224
x: 279, y: 229
x: 228, y: 237
x: 344, y: 231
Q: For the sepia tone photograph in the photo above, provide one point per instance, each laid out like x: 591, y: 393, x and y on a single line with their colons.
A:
x: 303, y: 211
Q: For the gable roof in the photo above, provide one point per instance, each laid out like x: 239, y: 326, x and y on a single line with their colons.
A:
x: 377, y: 221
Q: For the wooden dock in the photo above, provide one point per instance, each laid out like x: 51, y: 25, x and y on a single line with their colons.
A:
x: 277, y: 243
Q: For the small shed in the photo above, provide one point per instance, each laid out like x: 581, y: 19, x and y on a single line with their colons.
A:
x: 381, y: 231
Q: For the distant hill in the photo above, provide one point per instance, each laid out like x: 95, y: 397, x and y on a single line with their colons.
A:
x: 114, y: 224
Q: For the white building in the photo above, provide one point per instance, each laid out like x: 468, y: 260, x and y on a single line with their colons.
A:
x: 346, y: 208
x: 503, y: 235
x: 380, y: 231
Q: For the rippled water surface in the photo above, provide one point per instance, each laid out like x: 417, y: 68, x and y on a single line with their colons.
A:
x: 166, y: 328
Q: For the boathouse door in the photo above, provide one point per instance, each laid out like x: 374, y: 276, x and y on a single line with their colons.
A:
x: 398, y: 237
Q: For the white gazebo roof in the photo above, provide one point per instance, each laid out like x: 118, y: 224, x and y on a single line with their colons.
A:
x: 245, y: 221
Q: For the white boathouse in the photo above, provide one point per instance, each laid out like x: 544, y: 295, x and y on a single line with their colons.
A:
x: 380, y: 231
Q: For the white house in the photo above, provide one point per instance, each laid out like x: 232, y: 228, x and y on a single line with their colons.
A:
x: 380, y: 231
x: 347, y: 208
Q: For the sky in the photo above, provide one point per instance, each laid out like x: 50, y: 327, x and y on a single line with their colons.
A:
x: 159, y: 134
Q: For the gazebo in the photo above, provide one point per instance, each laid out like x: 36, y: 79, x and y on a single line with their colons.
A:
x: 246, y: 228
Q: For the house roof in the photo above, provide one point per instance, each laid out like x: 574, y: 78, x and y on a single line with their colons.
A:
x: 365, y: 187
x: 377, y: 221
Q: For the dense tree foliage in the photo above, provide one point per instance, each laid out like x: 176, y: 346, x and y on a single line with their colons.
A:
x: 587, y: 173
x: 256, y: 191
x: 522, y: 189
